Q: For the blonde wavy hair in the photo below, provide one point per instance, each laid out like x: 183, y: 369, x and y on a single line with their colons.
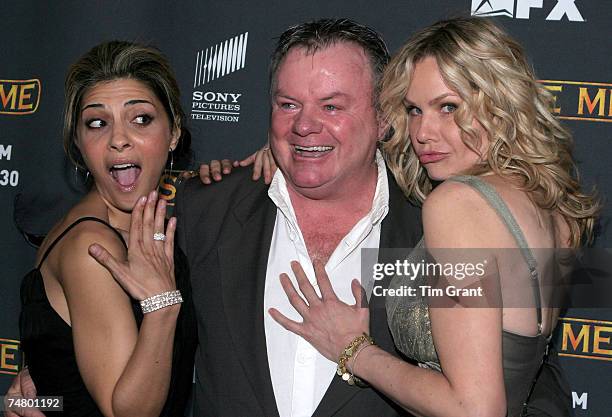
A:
x: 490, y: 72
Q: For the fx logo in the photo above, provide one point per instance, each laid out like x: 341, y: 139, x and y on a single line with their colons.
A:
x: 519, y: 9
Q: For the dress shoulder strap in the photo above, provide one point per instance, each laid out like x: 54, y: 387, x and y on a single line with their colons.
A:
x: 77, y: 221
x: 497, y: 203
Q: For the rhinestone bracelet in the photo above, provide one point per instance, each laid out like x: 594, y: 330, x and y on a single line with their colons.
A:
x: 162, y: 300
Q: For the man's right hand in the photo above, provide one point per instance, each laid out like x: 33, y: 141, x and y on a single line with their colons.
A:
x: 262, y: 160
x: 216, y: 169
x: 23, y: 387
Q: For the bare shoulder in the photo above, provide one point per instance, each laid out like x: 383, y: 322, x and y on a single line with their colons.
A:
x: 456, y: 215
x: 449, y: 197
x: 448, y: 211
x: 562, y: 231
x: 73, y: 254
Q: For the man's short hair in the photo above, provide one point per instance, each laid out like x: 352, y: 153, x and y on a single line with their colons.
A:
x: 322, y: 33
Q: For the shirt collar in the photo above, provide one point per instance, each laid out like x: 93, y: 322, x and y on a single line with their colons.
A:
x: 380, y: 204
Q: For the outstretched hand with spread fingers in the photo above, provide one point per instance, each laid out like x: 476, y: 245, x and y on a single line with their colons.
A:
x: 328, y: 323
x: 149, y: 268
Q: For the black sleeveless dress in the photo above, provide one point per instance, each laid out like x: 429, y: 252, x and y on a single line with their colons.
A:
x: 47, y: 343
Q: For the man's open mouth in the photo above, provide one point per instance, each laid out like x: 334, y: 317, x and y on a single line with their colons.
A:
x: 312, y: 151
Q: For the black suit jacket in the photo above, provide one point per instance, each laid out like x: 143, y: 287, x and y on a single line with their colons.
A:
x: 225, y: 229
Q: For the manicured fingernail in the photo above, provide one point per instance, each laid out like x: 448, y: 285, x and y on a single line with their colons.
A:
x: 94, y: 250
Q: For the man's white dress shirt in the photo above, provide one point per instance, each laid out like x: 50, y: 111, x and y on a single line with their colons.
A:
x: 301, y: 375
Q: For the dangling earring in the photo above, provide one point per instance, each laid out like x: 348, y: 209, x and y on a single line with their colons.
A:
x: 87, y: 177
x: 171, y: 159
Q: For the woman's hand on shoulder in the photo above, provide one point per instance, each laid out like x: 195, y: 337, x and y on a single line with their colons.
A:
x: 149, y: 267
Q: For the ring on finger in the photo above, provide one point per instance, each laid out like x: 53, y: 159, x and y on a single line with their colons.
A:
x: 159, y: 236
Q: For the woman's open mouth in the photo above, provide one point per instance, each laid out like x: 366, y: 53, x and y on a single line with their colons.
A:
x: 126, y: 175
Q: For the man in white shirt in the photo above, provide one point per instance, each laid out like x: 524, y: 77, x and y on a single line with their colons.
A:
x: 323, y: 134
x: 331, y: 197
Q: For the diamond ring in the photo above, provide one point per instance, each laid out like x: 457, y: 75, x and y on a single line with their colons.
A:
x: 159, y: 236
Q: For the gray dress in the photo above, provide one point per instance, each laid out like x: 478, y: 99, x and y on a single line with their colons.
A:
x: 523, y: 356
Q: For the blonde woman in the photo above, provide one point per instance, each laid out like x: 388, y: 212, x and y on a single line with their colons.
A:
x: 466, y: 112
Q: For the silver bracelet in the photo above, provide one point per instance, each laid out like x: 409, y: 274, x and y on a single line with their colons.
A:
x: 162, y: 300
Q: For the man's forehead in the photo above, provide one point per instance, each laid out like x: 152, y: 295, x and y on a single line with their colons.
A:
x: 342, y: 60
x: 349, y: 47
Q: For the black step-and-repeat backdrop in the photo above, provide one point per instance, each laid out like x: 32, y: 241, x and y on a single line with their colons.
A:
x: 220, y: 53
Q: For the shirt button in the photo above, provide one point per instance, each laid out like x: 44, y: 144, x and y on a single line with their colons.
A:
x: 301, y: 358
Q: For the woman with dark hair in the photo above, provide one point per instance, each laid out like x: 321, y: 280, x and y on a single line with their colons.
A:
x: 107, y: 345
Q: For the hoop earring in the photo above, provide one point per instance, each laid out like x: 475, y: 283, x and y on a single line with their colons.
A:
x: 76, y: 176
x: 168, y: 172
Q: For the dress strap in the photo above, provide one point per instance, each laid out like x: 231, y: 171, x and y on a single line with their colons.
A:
x: 80, y: 220
x: 497, y: 203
